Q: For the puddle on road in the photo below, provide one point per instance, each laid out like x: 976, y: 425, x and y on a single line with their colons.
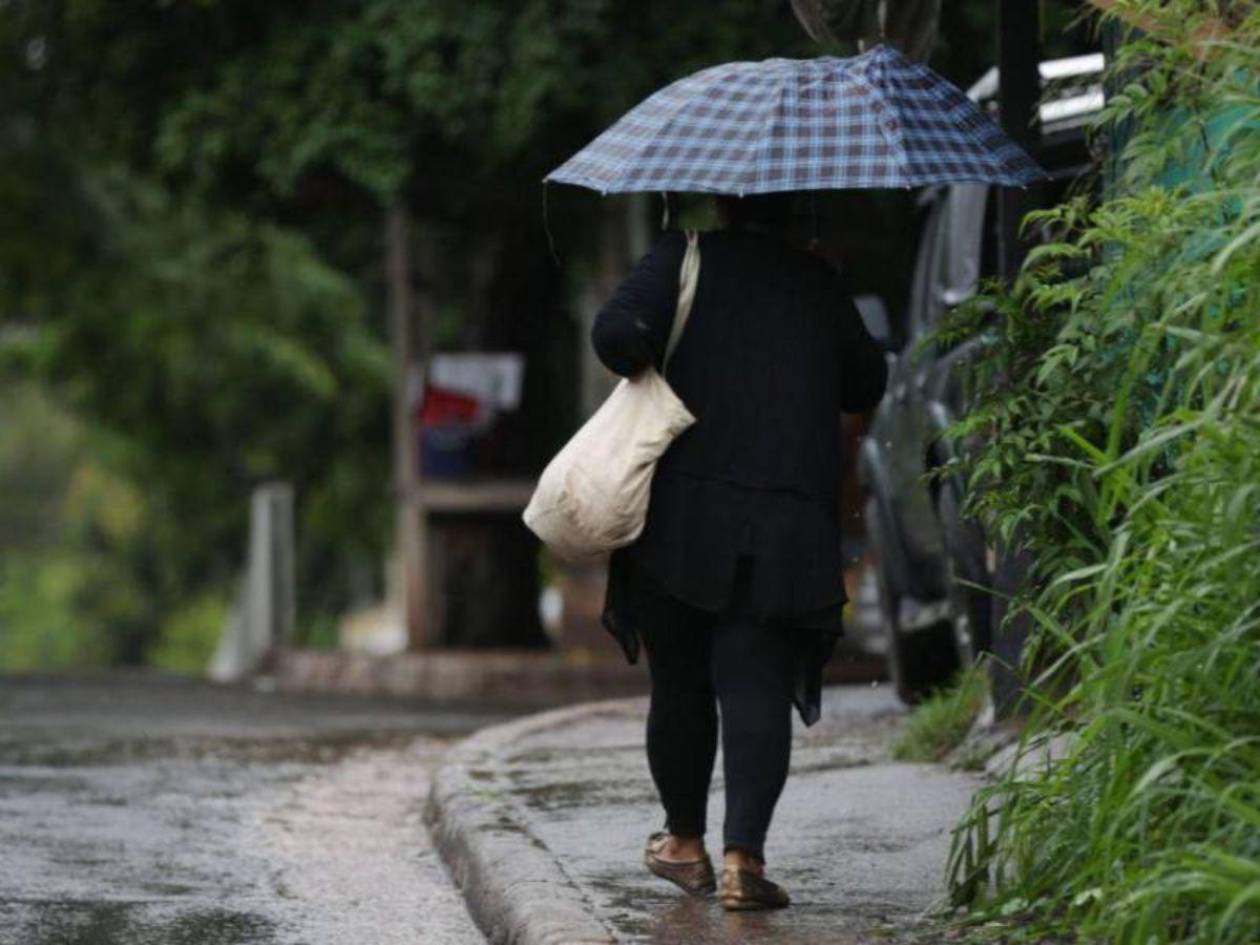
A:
x: 651, y: 916
x: 37, y: 750
x: 222, y: 841
x: 128, y: 923
x: 573, y: 796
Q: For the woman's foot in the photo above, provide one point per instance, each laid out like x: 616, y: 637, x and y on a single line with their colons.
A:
x: 745, y: 887
x: 681, y: 860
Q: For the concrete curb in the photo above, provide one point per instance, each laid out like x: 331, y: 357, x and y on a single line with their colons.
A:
x: 516, y: 890
x: 524, y: 680
x: 528, y: 681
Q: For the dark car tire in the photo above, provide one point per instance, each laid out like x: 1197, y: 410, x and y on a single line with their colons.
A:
x: 923, y: 662
x: 919, y: 663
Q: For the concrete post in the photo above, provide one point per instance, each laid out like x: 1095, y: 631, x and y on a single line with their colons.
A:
x: 265, y: 610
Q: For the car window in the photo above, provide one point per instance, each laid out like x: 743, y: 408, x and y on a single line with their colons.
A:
x: 962, y: 234
x: 925, y: 266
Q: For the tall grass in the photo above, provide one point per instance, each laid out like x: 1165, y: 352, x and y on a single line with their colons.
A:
x: 1121, y: 411
x: 941, y: 722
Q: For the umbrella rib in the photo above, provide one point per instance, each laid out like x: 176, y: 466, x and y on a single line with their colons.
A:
x: 607, y: 185
x: 663, y: 126
x: 763, y: 139
x: 984, y: 150
x: 897, y: 143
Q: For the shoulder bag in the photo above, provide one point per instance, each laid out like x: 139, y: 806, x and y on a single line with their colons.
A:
x: 593, y: 496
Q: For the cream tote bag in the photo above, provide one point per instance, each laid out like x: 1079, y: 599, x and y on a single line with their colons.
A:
x: 593, y: 496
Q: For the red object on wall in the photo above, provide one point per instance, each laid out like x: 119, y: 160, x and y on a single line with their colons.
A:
x: 441, y: 407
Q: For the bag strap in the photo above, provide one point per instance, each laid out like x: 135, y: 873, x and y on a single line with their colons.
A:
x: 688, y: 277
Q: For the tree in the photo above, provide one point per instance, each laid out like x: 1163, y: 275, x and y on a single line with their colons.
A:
x: 194, y: 194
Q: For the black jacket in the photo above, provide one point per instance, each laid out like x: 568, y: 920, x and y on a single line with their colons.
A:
x: 773, y: 352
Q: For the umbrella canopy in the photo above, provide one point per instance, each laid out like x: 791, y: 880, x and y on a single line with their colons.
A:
x: 876, y: 120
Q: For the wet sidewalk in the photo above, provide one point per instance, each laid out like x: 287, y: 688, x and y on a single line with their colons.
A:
x: 137, y: 810
x: 543, y: 821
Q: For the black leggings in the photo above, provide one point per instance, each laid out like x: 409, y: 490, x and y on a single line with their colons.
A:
x: 698, y: 662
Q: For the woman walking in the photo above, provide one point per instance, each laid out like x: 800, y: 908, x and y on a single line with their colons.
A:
x: 734, y: 587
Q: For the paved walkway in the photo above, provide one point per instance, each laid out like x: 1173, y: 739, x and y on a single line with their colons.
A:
x: 543, y: 822
x: 141, y: 811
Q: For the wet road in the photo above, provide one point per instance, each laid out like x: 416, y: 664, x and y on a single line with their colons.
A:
x: 140, y: 811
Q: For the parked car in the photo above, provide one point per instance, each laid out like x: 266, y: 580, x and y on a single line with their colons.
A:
x: 931, y: 562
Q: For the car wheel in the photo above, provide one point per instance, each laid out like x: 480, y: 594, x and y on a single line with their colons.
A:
x: 919, y: 662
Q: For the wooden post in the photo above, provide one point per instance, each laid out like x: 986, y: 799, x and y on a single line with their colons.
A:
x: 1019, y: 96
x: 409, y: 540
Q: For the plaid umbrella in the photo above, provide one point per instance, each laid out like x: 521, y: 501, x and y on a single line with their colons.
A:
x: 874, y: 120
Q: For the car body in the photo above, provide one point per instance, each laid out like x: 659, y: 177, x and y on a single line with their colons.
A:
x: 930, y: 562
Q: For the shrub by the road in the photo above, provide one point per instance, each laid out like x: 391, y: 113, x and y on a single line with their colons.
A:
x: 942, y: 721
x: 1120, y: 410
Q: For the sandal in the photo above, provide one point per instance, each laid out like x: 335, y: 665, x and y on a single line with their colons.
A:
x: 693, y: 876
x: 744, y: 891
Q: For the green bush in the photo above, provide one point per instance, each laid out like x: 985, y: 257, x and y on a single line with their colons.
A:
x: 942, y: 721
x: 72, y: 534
x: 188, y: 637
x: 40, y: 624
x: 1121, y: 416
x: 81, y: 579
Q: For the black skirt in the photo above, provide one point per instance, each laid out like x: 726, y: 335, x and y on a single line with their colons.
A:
x: 718, y: 547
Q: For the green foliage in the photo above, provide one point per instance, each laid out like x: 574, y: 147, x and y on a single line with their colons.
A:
x: 191, y: 201
x: 189, y: 636
x: 40, y: 620
x: 208, y: 352
x: 74, y: 540
x: 39, y: 451
x: 391, y: 94
x: 191, y: 204
x: 1120, y: 410
x: 942, y: 721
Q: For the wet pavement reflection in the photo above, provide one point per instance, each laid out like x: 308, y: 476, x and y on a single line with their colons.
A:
x: 859, y: 840
x: 136, y: 811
